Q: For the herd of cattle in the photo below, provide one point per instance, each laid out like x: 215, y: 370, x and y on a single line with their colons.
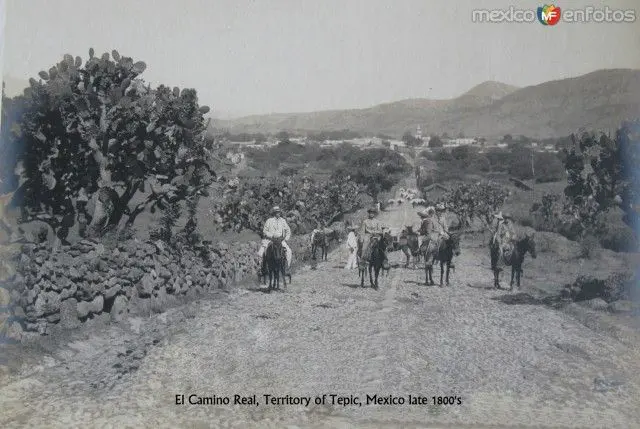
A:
x: 411, y: 195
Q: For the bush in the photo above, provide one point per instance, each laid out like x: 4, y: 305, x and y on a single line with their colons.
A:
x: 520, y: 164
x: 248, y: 205
x: 475, y: 201
x: 443, y: 155
x: 620, y: 239
x: 481, y: 163
x: 588, y: 245
x: 548, y: 168
x: 435, y: 142
x: 615, y: 287
x: 499, y: 159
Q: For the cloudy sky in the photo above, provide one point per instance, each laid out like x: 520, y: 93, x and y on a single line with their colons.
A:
x: 266, y: 56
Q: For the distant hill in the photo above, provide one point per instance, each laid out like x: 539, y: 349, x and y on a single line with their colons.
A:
x: 598, y: 100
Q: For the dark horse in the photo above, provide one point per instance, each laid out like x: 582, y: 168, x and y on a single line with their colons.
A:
x: 276, y: 262
x: 321, y: 241
x: 514, y: 259
x: 442, y: 251
x: 375, y: 262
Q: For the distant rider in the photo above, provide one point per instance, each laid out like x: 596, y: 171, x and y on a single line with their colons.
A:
x: 275, y: 227
x: 370, y: 226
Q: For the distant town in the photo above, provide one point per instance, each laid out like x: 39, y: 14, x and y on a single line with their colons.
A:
x: 411, y: 142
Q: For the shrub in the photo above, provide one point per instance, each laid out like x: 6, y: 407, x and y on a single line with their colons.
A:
x: 435, y: 141
x: 475, y: 201
x: 443, y: 156
x: 248, y: 205
x: 588, y: 245
x: 615, y: 287
x: 499, y: 159
x: 548, y: 168
x: 620, y: 239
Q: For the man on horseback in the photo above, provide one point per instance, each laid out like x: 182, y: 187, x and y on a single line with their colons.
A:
x: 276, y: 226
x: 504, y: 234
x: 370, y: 226
x: 434, y: 226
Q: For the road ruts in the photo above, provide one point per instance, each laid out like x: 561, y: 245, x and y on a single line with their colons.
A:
x: 512, y: 365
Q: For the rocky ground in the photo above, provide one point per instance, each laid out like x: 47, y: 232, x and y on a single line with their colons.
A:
x: 511, y: 359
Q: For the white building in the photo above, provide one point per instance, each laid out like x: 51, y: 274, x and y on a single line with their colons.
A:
x: 460, y: 142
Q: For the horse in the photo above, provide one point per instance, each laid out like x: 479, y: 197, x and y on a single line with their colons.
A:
x: 321, y: 240
x: 408, y: 243
x: 515, y: 259
x: 376, y: 261
x: 442, y: 251
x: 276, y: 261
x: 410, y: 247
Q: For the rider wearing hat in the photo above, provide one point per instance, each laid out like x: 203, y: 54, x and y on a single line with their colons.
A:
x: 434, y: 225
x: 276, y: 226
x: 505, y: 232
x: 370, y: 226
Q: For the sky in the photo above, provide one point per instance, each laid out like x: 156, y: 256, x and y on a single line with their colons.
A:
x: 254, y: 57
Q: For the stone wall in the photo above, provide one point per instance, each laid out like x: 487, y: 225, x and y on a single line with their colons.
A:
x: 49, y: 290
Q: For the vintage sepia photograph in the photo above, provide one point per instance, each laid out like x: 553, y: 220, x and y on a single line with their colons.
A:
x: 319, y: 214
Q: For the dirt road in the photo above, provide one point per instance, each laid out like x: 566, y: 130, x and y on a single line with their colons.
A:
x: 511, y: 364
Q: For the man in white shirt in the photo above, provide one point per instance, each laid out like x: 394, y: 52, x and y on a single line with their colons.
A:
x: 275, y: 227
x: 352, y: 246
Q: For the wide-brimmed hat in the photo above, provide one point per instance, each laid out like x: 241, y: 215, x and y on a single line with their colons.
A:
x: 499, y: 216
x: 276, y: 209
x: 372, y: 210
x: 422, y: 213
x: 430, y: 210
x: 507, y: 216
x: 352, y: 228
x: 440, y: 206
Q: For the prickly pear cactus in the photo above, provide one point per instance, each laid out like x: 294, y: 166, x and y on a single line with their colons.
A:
x: 97, y: 128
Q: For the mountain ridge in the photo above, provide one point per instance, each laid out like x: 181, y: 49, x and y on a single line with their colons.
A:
x: 597, y: 100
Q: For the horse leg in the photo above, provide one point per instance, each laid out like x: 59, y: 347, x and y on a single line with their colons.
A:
x: 370, y: 269
x: 377, y: 272
x: 284, y: 277
x: 513, y: 272
x: 518, y: 274
x: 426, y: 274
x: 448, y: 268
x: 441, y: 272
